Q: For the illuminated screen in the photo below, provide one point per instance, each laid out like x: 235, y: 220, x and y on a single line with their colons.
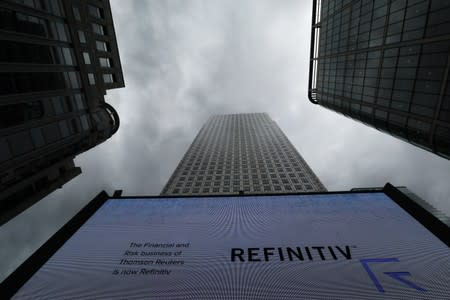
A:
x: 333, y: 246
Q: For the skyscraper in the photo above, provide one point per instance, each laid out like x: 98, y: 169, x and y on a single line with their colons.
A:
x: 385, y: 63
x: 57, y: 59
x: 241, y: 152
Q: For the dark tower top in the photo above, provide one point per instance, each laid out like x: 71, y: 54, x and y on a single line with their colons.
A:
x: 385, y: 63
x: 57, y: 59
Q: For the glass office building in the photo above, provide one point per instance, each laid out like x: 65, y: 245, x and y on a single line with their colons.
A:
x: 385, y: 63
x: 57, y: 59
x: 241, y: 153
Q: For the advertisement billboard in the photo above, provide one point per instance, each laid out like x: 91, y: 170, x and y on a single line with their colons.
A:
x: 359, y: 245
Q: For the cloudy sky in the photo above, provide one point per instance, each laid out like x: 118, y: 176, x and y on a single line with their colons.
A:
x: 186, y: 60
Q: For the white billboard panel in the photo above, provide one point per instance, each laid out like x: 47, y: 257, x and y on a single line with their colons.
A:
x: 333, y: 246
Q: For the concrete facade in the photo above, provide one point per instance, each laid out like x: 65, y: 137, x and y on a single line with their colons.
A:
x: 241, y: 153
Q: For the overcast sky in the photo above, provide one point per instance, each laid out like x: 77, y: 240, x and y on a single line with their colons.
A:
x: 186, y: 60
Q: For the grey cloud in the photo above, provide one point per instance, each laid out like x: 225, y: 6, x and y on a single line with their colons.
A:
x: 186, y: 60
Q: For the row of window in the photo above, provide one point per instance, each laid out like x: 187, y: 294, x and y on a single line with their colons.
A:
x: 413, y: 130
x: 21, y: 113
x: 246, y: 160
x: 29, y: 140
x: 12, y: 83
x: 18, y: 52
x: 386, y: 88
x: 22, y: 23
x: 243, y: 176
x: 244, y: 183
x: 367, y: 30
x: 226, y: 189
x: 220, y: 138
x: 107, y: 78
x: 253, y: 149
x: 23, y: 52
x: 105, y: 62
x: 272, y: 160
x: 99, y: 45
x: 252, y: 157
x: 417, y: 103
x: 420, y: 106
x: 239, y: 176
x: 52, y: 6
x: 93, y: 11
x: 205, y: 162
x: 237, y: 166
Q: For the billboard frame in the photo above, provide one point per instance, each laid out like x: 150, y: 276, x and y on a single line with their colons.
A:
x: 27, y: 269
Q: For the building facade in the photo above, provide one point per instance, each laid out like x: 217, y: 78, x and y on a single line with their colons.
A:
x: 386, y: 64
x: 57, y: 59
x: 241, y: 153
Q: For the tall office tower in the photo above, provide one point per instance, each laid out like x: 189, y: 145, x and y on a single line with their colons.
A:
x: 57, y: 59
x: 385, y: 63
x: 241, y: 152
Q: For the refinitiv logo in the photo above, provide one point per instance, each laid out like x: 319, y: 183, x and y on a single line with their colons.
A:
x: 291, y: 253
x: 370, y: 263
x: 324, y: 253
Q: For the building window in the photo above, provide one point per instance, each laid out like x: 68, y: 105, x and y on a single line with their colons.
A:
x: 60, y: 32
x: 79, y: 102
x: 67, y: 55
x: 72, y: 80
x: 95, y: 11
x: 57, y: 105
x: 37, y: 137
x: 101, y: 46
x: 16, y: 19
x: 51, y: 133
x: 84, y: 122
x: 21, y: 82
x: 98, y: 29
x: 74, y: 125
x: 16, y: 114
x: 76, y: 13
x: 21, y: 143
x: 87, y: 58
x: 91, y: 78
x: 81, y: 36
x: 64, y: 128
x: 105, y: 62
x: 108, y: 78
x: 54, y: 7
